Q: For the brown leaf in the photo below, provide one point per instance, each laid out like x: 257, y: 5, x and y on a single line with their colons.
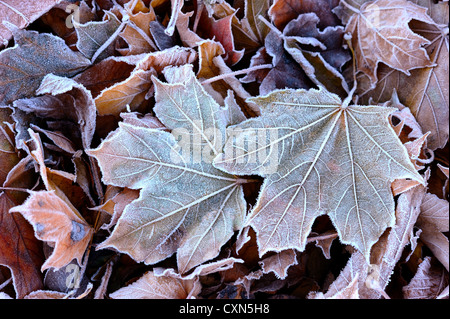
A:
x: 380, y: 33
x: 386, y: 253
x: 53, y: 220
x: 279, y: 263
x: 20, y: 251
x: 63, y: 99
x: 427, y: 283
x: 221, y: 31
x: 150, y: 286
x: 137, y: 33
x: 21, y: 14
x: 433, y: 220
x: 283, y: 11
x: 425, y: 91
x: 133, y: 91
x: 35, y: 55
x: 8, y: 155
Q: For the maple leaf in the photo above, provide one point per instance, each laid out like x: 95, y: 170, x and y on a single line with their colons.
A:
x: 380, y: 33
x: 185, y: 206
x: 425, y: 91
x: 318, y: 156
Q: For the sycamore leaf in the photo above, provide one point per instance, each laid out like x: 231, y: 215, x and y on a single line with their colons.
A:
x: 380, y: 33
x: 150, y: 286
x: 35, y: 55
x: 55, y: 221
x: 186, y: 205
x: 318, y: 156
x: 21, y: 14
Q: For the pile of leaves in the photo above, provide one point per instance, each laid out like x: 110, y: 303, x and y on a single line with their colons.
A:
x: 224, y: 149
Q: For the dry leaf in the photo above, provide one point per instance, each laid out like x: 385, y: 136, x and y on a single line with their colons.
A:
x: 201, y: 219
x: 35, y: 55
x: 21, y: 14
x: 427, y: 283
x: 386, y: 255
x: 321, y: 160
x: 93, y: 34
x: 53, y: 220
x: 380, y: 33
x: 150, y: 286
x: 279, y: 263
x: 283, y: 11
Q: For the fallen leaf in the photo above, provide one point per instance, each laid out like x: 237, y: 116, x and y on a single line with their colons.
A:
x: 387, y: 253
x: 433, y: 220
x: 94, y: 34
x: 17, y: 239
x: 279, y: 263
x: 63, y: 99
x: 137, y: 32
x: 380, y: 33
x: 283, y: 11
x: 203, y: 218
x: 54, y: 221
x: 35, y: 55
x: 427, y: 283
x: 348, y: 292
x: 150, y: 286
x: 220, y: 30
x: 324, y: 158
x: 21, y: 14
x: 133, y: 91
x: 424, y: 91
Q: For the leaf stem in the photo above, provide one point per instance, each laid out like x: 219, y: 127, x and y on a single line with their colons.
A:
x: 270, y: 26
x: 15, y: 189
x: 322, y: 237
x: 240, y: 181
x: 243, y: 71
x: 5, y: 283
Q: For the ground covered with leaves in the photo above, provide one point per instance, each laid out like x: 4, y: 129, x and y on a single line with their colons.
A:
x: 224, y: 149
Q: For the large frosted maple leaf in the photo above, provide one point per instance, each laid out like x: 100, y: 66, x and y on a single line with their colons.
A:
x: 185, y: 205
x: 318, y: 156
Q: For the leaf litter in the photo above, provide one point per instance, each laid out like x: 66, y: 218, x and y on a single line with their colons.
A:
x: 250, y: 149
